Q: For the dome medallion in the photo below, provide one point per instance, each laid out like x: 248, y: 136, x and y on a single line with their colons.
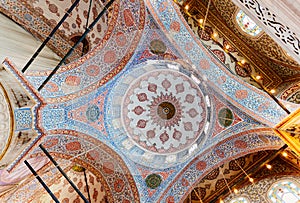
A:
x: 163, y: 114
x: 163, y: 111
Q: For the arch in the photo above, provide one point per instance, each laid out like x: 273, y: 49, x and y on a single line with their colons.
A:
x: 227, y: 150
x: 291, y: 93
x: 97, y: 157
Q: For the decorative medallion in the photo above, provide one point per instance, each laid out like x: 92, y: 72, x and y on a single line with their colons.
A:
x: 241, y: 70
x: 157, y: 47
x: 160, y: 113
x: 92, y: 113
x: 225, y: 117
x: 78, y: 168
x: 247, y: 24
x: 153, y: 181
x: 164, y: 111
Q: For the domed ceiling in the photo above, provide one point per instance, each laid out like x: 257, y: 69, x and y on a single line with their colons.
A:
x: 148, y: 110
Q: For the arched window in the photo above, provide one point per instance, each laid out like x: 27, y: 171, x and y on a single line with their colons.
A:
x: 247, y: 24
x: 284, y: 191
x: 239, y: 200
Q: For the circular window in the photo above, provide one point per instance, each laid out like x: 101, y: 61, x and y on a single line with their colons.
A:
x: 247, y: 24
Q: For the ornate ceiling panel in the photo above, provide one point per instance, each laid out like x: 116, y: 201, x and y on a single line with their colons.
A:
x: 65, y: 193
x: 204, y: 62
x: 19, y: 104
x: 109, y: 168
x: 214, y: 185
x: 276, y: 67
x: 264, y: 44
x: 148, y: 130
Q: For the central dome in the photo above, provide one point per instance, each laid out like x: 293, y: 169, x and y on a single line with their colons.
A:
x: 164, y: 111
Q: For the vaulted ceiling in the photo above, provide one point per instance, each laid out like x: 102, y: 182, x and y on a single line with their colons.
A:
x: 131, y: 63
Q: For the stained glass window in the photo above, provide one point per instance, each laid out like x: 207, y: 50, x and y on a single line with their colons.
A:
x: 247, y: 24
x: 239, y: 200
x: 285, y: 192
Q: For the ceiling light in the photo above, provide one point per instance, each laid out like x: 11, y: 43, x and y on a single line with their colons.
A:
x: 215, y: 34
x: 284, y: 154
x: 201, y: 21
x: 272, y: 91
x: 235, y: 190
x: 268, y: 166
x: 227, y: 46
x: 258, y: 77
x: 186, y: 7
x: 221, y: 201
x: 243, y: 61
x: 251, y: 180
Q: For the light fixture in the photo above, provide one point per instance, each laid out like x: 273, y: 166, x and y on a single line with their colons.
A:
x: 227, y: 46
x: 221, y: 201
x: 186, y: 7
x: 284, y: 154
x: 235, y: 190
x: 243, y: 61
x: 258, y: 77
x: 215, y: 35
x: 201, y: 21
x: 251, y: 180
x: 268, y: 166
x: 272, y: 91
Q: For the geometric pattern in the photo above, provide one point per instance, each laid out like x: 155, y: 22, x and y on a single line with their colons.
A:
x: 167, y: 101
x: 25, y: 102
x: 102, y: 63
x: 91, y: 113
x: 226, y: 115
x: 164, y: 111
x: 23, y: 119
x: 64, y: 192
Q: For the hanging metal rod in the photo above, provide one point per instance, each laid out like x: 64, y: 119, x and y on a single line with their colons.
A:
x: 63, y: 173
x: 41, y: 181
x: 87, y: 185
x: 37, y: 52
x: 76, y: 44
x: 87, y: 23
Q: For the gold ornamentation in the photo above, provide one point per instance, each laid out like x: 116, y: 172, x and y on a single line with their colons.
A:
x: 289, y: 131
